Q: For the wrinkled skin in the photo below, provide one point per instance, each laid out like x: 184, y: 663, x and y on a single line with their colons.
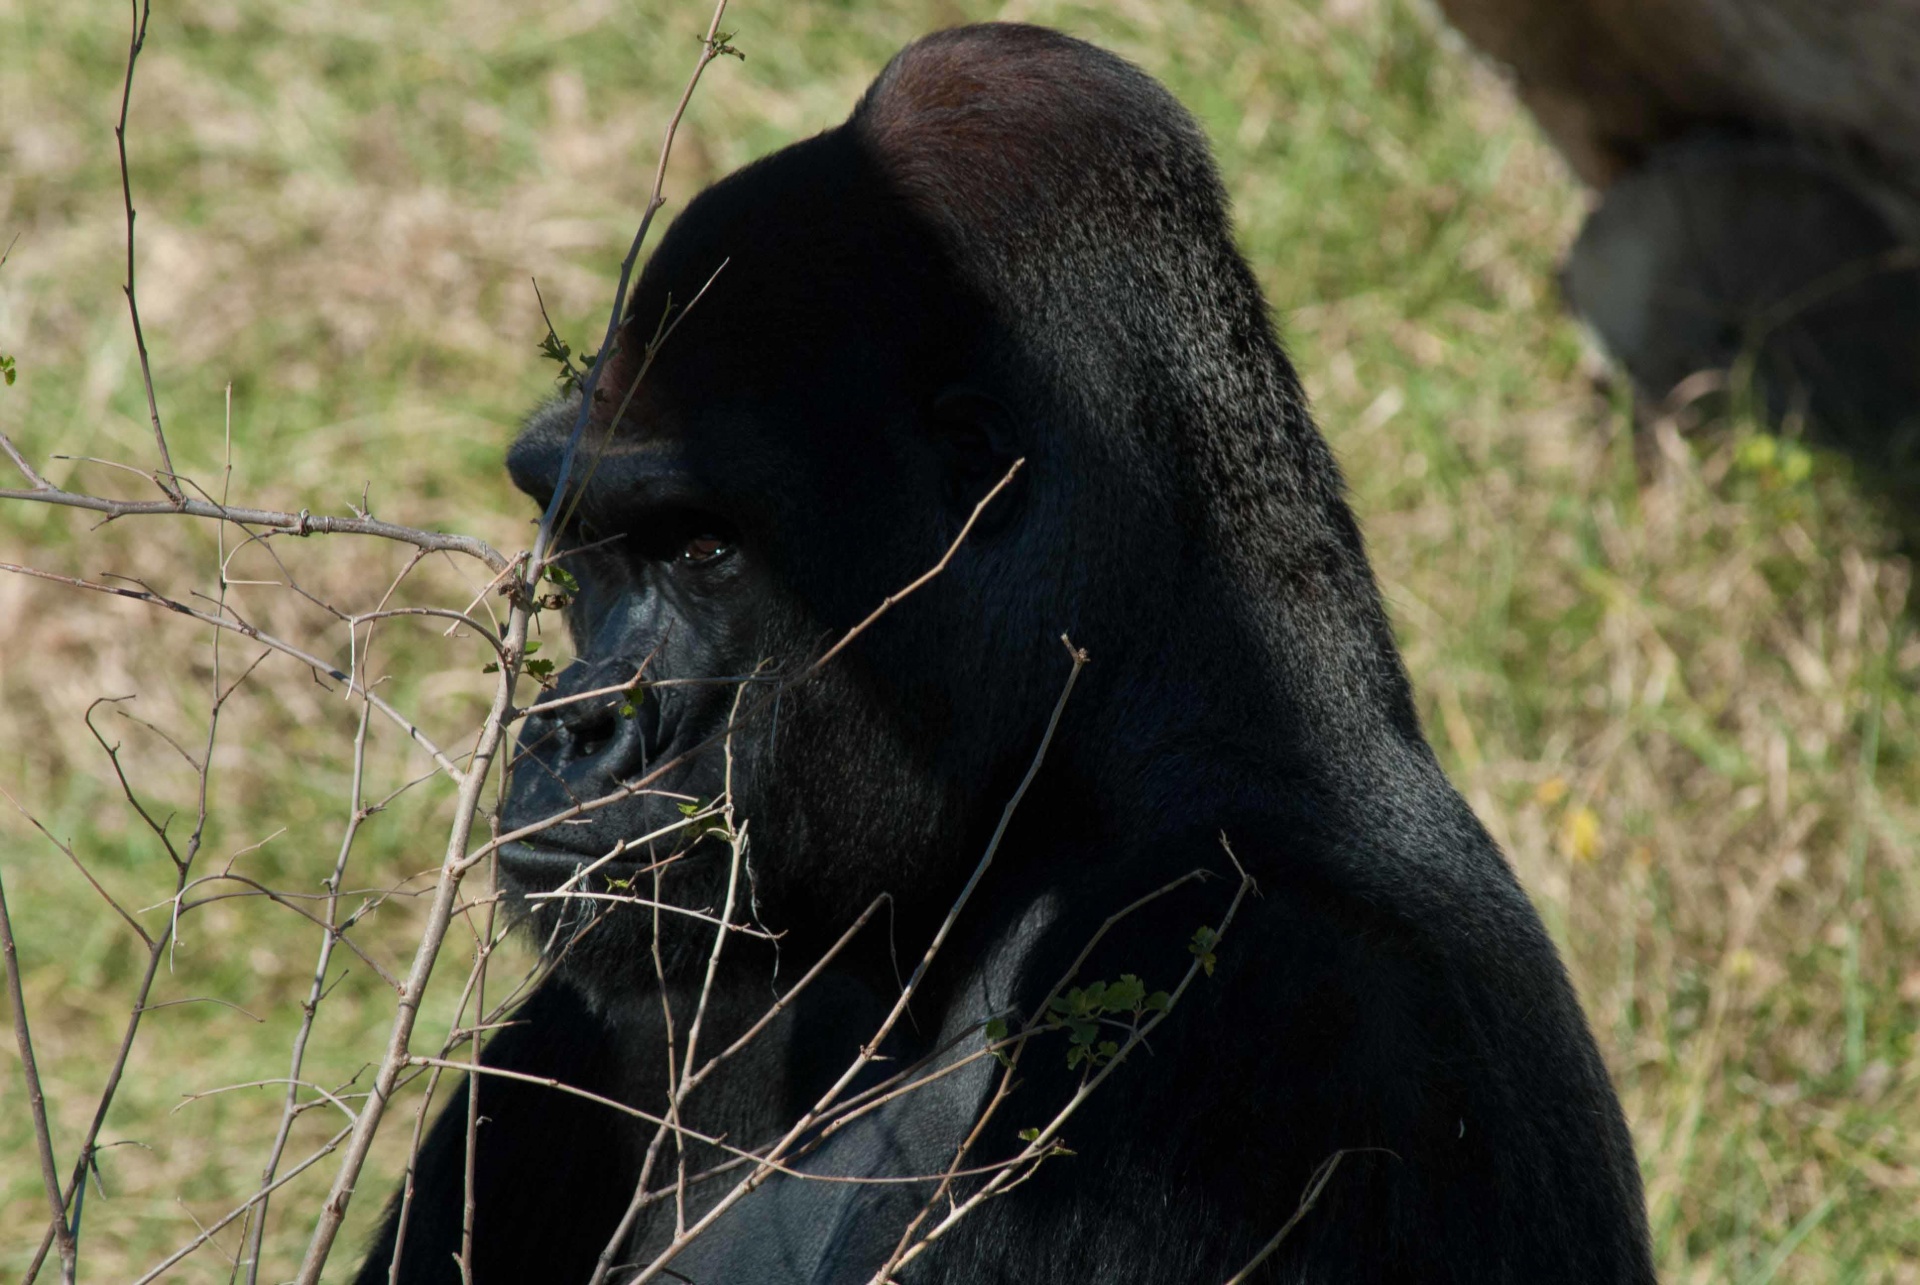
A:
x: 1016, y: 249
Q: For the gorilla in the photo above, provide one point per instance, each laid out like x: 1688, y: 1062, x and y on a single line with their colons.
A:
x: 1755, y: 167
x: 1016, y: 249
x: 1759, y: 256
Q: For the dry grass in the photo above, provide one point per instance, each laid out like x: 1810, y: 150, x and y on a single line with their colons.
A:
x: 1675, y: 669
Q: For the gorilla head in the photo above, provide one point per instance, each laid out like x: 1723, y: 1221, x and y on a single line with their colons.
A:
x: 1016, y: 249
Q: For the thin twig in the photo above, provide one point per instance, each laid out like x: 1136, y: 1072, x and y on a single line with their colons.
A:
x: 246, y: 630
x: 207, y: 1233
x: 158, y: 947
x: 327, y: 1096
x: 1047, y: 1139
x: 680, y: 1081
x: 483, y: 951
x: 407, y: 1183
x: 310, y: 1007
x: 1315, y: 1185
x: 279, y: 522
x: 168, y: 483
x: 710, y: 48
x: 36, y: 1099
x: 871, y: 1049
x: 452, y: 867
x: 905, y: 1081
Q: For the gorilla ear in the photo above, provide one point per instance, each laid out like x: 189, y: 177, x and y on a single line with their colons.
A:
x: 973, y: 434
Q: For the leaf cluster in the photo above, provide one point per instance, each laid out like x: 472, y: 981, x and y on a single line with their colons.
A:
x: 1083, y: 1010
x: 559, y: 351
x: 541, y: 670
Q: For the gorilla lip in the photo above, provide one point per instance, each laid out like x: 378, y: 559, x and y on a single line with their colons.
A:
x: 544, y: 862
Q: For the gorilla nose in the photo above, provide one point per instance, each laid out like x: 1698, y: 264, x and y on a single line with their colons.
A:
x: 612, y: 740
x: 601, y: 740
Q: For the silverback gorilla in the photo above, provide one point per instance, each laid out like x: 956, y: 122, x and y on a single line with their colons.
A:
x: 1017, y: 248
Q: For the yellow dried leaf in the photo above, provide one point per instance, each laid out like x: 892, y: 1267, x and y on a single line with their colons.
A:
x: 1580, y: 834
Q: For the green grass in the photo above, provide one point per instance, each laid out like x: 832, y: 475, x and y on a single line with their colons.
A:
x: 1673, y: 668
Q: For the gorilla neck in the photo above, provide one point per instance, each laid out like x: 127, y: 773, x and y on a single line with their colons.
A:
x: 1252, y: 703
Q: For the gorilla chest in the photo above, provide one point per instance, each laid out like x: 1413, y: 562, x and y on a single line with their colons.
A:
x: 837, y: 1225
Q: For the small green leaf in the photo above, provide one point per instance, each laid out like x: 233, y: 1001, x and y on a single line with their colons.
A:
x: 1158, y: 1002
x: 563, y: 578
x: 996, y: 1029
x: 532, y: 646
x: 1201, y: 948
x: 628, y: 710
x: 491, y: 667
x: 540, y: 669
x: 1107, y: 1049
x: 1029, y: 1135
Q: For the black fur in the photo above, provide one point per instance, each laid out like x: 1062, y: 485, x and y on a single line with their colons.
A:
x: 1018, y: 247
x: 1720, y: 249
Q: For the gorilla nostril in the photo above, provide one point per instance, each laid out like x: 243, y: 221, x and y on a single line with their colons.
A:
x: 590, y: 734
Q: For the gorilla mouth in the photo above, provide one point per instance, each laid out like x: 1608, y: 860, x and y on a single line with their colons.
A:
x: 582, y: 795
x: 531, y: 862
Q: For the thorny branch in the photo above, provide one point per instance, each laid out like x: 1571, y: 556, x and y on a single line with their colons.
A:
x: 279, y: 522
x: 458, y: 860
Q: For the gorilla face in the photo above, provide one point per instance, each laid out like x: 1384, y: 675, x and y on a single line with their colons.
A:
x: 809, y: 439
x: 667, y: 589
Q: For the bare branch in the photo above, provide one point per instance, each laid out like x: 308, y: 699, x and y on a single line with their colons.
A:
x: 293, y: 1086
x: 407, y: 1183
x: 872, y: 1048
x: 245, y: 630
x: 710, y: 49
x: 278, y: 522
x: 166, y: 478
x: 81, y: 866
x: 310, y: 1006
x: 208, y: 1233
x: 1317, y: 1184
x: 1047, y: 1139
x: 893, y: 599
x: 36, y: 1099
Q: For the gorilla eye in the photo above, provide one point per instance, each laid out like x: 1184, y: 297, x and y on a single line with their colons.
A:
x: 705, y: 548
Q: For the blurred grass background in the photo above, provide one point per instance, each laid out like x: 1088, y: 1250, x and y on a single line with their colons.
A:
x: 1673, y: 667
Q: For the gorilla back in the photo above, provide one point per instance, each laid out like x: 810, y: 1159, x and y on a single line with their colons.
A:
x: 1017, y: 248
